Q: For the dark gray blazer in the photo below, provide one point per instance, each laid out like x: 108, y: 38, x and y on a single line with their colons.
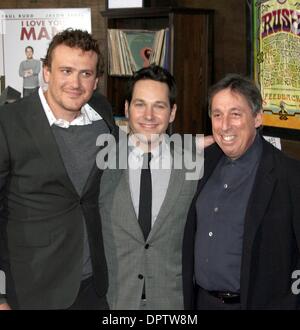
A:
x: 271, y: 248
x: 41, y: 212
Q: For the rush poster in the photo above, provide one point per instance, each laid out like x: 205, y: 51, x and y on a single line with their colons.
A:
x: 276, y: 33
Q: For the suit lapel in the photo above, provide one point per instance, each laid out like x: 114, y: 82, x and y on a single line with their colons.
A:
x: 125, y: 187
x: 176, y: 182
x: 100, y: 105
x: 258, y: 202
x: 38, y: 127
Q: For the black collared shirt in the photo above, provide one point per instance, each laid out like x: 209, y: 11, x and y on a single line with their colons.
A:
x: 221, y: 208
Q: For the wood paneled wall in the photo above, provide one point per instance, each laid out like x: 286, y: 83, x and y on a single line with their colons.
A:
x: 230, y: 45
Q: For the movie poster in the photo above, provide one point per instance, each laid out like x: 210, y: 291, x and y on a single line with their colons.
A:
x: 21, y: 28
x: 277, y: 60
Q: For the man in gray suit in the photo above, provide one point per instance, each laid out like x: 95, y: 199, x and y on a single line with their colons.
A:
x: 145, y: 264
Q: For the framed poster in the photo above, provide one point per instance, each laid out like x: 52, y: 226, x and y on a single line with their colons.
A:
x: 116, y: 4
x: 34, y: 28
x: 276, y: 62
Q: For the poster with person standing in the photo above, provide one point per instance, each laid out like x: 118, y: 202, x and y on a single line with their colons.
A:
x: 24, y: 38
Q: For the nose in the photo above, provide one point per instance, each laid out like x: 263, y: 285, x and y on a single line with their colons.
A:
x: 75, y: 80
x: 225, y: 123
x: 148, y: 112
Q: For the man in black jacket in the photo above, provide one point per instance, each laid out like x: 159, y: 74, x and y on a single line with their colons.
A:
x: 242, y: 236
x: 51, y: 237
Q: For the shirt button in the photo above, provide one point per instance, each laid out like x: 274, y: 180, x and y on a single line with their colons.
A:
x: 216, y: 209
x: 225, y: 185
x: 140, y: 276
x: 147, y: 246
x: 210, y: 234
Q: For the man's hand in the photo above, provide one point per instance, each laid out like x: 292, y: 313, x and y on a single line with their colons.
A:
x: 208, y: 140
x: 28, y: 73
x: 4, y: 307
x: 203, y: 141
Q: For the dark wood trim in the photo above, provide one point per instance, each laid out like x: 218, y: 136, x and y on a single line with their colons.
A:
x: 249, y: 38
x: 146, y: 3
x: 151, y: 12
x: 283, y: 133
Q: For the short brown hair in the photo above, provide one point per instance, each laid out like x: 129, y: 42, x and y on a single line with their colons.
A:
x: 75, y: 39
x: 156, y: 73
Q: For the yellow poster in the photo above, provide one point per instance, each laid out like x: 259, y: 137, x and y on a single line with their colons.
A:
x: 277, y: 60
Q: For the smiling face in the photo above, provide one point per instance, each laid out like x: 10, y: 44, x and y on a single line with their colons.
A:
x: 29, y: 53
x: 71, y: 80
x: 233, y: 122
x: 149, y: 112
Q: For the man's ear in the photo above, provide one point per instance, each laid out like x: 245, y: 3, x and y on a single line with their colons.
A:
x: 258, y: 119
x: 126, y: 109
x: 96, y: 83
x: 46, y: 73
x: 173, y: 113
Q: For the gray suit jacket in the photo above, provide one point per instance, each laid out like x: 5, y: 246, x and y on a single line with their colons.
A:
x: 158, y: 259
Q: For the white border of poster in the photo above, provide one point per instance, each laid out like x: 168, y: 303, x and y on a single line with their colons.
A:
x: 34, y: 27
x: 2, y: 32
x: 113, y: 4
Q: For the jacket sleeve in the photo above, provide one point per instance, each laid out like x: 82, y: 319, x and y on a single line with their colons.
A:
x: 21, y: 70
x: 4, y: 168
x: 294, y: 183
x: 37, y: 68
x: 4, y: 171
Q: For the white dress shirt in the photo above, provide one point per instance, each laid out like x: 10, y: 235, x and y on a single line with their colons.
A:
x: 160, y: 166
x: 86, y: 117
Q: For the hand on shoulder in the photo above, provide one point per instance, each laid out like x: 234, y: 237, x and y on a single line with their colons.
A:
x: 208, y: 140
x: 4, y: 307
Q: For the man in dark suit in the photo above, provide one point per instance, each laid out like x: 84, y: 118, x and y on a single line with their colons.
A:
x: 242, y: 236
x: 51, y: 237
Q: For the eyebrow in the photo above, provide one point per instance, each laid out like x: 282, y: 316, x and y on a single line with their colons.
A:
x: 162, y: 102
x: 157, y: 102
x: 65, y: 67
x: 231, y: 109
x: 137, y: 99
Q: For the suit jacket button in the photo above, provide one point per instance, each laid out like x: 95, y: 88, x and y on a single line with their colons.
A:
x: 147, y: 246
x: 140, y: 276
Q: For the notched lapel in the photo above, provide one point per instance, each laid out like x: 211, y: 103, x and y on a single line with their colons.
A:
x: 177, y: 178
x: 262, y: 191
x: 100, y: 104
x: 132, y: 219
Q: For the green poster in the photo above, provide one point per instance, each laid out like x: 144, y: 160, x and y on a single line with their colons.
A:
x: 277, y: 60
